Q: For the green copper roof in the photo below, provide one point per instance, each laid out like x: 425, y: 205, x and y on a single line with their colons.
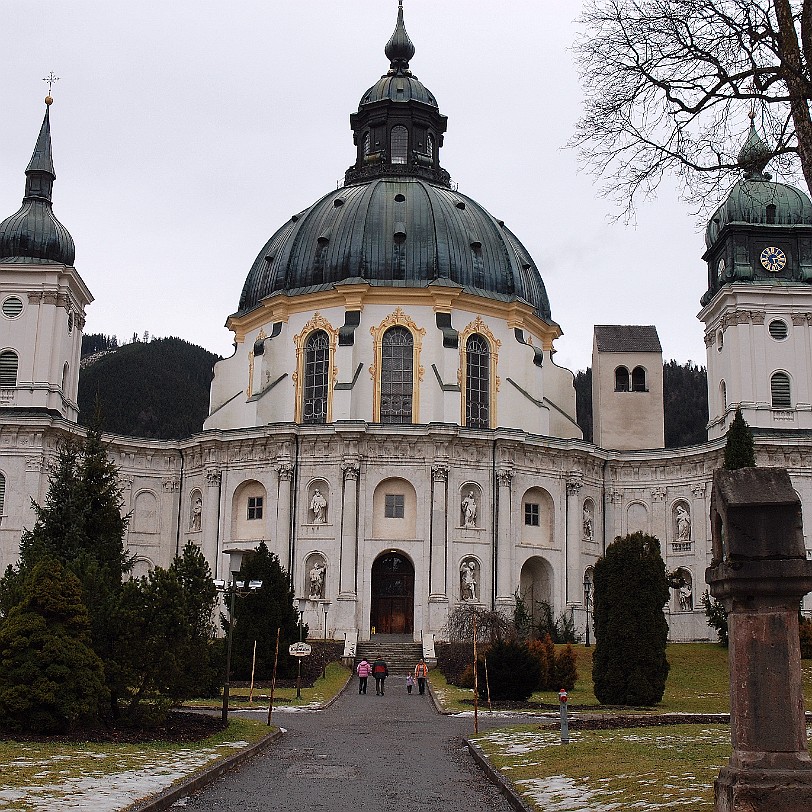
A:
x: 33, y: 234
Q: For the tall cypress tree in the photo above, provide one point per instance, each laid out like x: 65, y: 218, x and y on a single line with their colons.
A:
x: 629, y: 666
x: 739, y: 448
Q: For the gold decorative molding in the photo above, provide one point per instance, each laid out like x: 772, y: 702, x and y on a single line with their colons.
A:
x: 397, y: 318
x: 317, y: 322
x: 250, y: 389
x: 478, y: 327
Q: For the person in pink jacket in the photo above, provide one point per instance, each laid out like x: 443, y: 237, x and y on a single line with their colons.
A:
x: 364, y: 670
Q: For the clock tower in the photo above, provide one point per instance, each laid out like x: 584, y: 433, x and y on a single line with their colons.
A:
x: 757, y: 309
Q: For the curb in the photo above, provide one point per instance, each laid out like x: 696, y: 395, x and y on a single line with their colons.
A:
x: 496, y: 778
x: 166, y: 798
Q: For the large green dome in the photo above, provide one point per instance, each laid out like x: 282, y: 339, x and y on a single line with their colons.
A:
x: 398, y: 232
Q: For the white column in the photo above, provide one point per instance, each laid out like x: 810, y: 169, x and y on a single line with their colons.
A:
x: 212, y: 543
x: 574, y: 532
x: 349, y: 530
x: 282, y: 542
x: 439, y: 524
x: 504, y: 540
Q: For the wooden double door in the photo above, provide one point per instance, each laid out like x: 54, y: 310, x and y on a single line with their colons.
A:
x: 392, y: 595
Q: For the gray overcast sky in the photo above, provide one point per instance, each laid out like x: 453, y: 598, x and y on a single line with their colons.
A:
x: 186, y: 132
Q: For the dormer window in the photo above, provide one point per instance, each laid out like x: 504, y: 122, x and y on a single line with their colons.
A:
x: 771, y: 214
x: 399, y: 145
x: 367, y: 144
x: 430, y: 146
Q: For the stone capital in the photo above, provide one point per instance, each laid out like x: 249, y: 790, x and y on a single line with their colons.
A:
x: 213, y: 477
x: 284, y: 471
x: 439, y: 472
x: 350, y: 469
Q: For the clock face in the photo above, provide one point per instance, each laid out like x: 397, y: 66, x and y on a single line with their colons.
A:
x: 773, y: 259
x: 720, y: 269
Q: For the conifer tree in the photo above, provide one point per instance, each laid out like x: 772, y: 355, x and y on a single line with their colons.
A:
x: 51, y: 680
x: 739, y: 448
x: 631, y: 588
x: 259, y: 614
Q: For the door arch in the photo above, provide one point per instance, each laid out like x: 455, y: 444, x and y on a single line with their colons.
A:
x: 392, y: 594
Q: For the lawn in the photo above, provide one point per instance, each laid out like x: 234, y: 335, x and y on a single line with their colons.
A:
x: 651, y: 768
x: 698, y: 682
x: 108, y: 776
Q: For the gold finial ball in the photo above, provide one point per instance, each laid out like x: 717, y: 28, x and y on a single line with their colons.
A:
x: 49, y: 101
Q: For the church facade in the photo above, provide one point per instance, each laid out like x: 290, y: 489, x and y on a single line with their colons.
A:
x: 392, y: 423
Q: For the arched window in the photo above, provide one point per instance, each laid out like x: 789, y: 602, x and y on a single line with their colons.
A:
x: 780, y: 391
x: 367, y: 144
x: 8, y: 368
x: 399, y: 145
x: 316, y: 377
x: 621, y: 379
x: 477, y: 382
x: 723, y: 394
x: 65, y: 379
x: 397, y: 375
x: 771, y: 210
x: 430, y: 146
x: 2, y: 494
x: 639, y: 380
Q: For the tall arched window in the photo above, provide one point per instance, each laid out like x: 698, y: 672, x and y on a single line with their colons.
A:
x: 399, y: 145
x: 367, y: 144
x: 638, y: 379
x: 621, y: 379
x: 316, y: 377
x: 780, y: 391
x: 2, y: 493
x: 477, y: 382
x: 430, y: 146
x: 723, y: 395
x: 397, y: 375
x: 8, y: 368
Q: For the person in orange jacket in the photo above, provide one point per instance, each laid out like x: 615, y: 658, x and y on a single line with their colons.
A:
x: 421, y: 672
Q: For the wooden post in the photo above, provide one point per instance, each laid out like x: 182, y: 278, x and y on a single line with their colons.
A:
x: 273, y: 679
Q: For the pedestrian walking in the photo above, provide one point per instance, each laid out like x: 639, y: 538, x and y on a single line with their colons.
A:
x: 380, y: 672
x: 364, y: 670
x: 409, y: 683
x: 421, y: 671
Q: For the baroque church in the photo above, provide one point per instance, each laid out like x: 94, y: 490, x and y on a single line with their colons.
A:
x: 392, y: 423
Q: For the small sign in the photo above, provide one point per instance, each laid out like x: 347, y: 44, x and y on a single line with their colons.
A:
x: 299, y: 650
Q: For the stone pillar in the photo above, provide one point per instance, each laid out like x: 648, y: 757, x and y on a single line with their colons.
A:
x: 349, y: 530
x: 504, y: 541
x: 282, y: 542
x: 574, y: 532
x: 760, y: 572
x: 439, y: 524
x: 210, y: 530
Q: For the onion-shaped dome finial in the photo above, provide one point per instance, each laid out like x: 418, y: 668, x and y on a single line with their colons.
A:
x: 33, y: 234
x: 755, y: 154
x: 400, y: 49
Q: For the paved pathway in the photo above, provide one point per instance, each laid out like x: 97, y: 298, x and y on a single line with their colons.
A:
x: 390, y: 753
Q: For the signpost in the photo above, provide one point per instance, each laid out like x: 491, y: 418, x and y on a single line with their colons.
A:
x: 299, y: 649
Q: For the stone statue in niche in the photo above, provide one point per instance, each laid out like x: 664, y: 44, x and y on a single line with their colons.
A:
x: 316, y: 575
x: 683, y: 523
x: 468, y: 580
x: 318, y: 504
x: 686, y: 598
x: 196, y: 517
x: 587, y: 520
x: 469, y: 508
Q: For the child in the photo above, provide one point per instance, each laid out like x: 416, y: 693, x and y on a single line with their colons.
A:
x: 409, y: 683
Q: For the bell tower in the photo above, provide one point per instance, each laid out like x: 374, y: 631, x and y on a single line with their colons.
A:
x: 757, y: 309
x: 42, y: 297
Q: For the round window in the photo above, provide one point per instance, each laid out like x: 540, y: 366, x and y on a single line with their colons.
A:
x: 12, y: 307
x: 778, y: 329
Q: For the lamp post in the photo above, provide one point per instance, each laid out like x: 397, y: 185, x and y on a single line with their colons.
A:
x: 325, y: 605
x: 587, y: 599
x: 234, y: 589
x: 302, y: 603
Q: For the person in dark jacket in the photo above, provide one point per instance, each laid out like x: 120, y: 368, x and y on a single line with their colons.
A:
x: 380, y: 672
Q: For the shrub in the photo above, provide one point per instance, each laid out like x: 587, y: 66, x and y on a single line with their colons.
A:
x: 631, y: 588
x: 452, y: 661
x: 566, y: 673
x: 546, y: 667
x: 716, y: 614
x: 561, y: 629
x: 805, y: 631
x: 513, y: 671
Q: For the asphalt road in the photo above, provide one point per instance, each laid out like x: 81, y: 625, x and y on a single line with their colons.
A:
x: 391, y: 753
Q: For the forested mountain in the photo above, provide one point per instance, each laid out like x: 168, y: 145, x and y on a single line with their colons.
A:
x: 685, y: 396
x: 157, y: 388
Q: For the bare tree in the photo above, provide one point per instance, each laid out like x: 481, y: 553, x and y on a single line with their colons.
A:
x: 670, y: 86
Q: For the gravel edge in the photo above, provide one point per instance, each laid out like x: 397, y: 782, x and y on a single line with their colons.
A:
x: 496, y: 778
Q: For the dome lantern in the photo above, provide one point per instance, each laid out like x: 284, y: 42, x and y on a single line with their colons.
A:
x: 398, y: 129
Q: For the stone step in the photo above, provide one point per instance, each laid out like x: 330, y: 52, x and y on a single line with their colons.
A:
x: 400, y: 658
